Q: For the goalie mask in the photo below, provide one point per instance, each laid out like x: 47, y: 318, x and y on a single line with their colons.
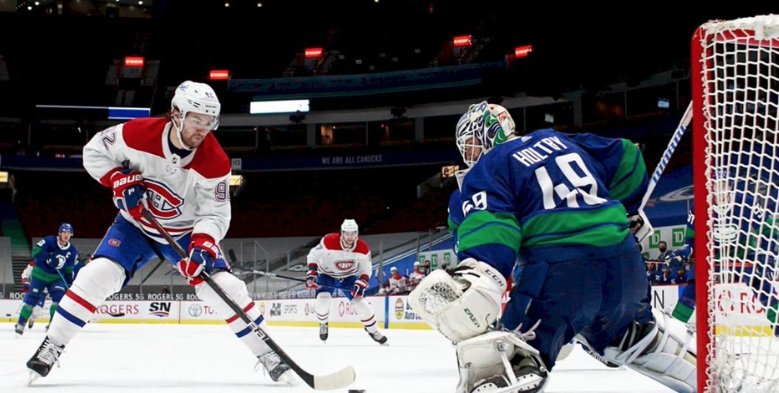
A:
x: 480, y: 129
x: 349, y: 232
x: 196, y: 98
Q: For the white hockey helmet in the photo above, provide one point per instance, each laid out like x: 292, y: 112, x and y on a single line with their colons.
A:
x: 198, y: 98
x: 349, y: 226
x: 481, y: 128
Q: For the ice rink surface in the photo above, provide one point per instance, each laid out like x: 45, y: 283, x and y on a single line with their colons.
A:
x: 208, y: 358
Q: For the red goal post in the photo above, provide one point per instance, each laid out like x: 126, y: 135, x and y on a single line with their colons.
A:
x: 735, y: 87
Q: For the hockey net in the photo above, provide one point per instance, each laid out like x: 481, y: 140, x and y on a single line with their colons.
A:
x: 735, y: 68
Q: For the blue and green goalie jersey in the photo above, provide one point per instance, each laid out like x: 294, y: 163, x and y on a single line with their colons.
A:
x: 50, y: 257
x: 455, y: 211
x: 549, y: 189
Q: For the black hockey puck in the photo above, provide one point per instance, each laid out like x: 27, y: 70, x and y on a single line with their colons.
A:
x: 356, y: 390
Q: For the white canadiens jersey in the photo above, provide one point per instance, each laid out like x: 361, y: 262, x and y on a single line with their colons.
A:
x: 190, y: 194
x: 331, y: 259
x: 415, y: 277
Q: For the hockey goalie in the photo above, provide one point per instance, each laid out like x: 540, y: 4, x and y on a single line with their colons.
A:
x: 561, y: 204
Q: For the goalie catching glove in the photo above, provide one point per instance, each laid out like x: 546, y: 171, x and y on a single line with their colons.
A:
x: 461, y: 306
x: 202, y: 253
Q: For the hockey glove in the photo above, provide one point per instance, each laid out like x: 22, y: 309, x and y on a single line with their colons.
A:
x: 359, y: 286
x: 311, y: 277
x: 202, y: 253
x: 25, y: 285
x: 680, y: 254
x: 129, y: 192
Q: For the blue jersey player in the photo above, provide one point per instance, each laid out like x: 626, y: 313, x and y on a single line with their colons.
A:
x: 53, y: 271
x: 560, y: 202
x: 745, y: 240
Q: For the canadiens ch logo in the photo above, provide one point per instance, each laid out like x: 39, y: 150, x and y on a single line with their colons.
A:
x: 344, y: 265
x: 163, y: 202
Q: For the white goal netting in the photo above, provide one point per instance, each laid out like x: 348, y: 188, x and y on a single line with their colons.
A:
x: 736, y: 86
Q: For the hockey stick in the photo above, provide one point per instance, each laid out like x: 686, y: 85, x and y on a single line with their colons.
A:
x: 646, y: 229
x: 337, y: 380
x: 274, y: 275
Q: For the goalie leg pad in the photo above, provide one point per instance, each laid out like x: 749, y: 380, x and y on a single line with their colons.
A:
x: 664, y: 350
x: 463, y: 306
x: 498, y: 360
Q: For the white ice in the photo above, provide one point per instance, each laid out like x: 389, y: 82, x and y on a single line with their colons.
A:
x: 153, y: 358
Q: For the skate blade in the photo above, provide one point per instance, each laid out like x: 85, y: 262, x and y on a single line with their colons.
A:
x: 288, y: 378
x: 32, y: 377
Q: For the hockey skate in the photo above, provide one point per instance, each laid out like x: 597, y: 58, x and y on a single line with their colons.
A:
x: 323, y: 331
x: 31, y: 322
x: 19, y: 329
x: 41, y: 363
x: 597, y: 357
x: 278, y: 370
x: 378, y: 337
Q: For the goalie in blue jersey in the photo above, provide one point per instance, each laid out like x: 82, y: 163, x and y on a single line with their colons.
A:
x: 560, y: 202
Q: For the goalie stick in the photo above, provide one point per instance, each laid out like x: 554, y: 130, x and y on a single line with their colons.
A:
x: 337, y: 380
x: 646, y: 229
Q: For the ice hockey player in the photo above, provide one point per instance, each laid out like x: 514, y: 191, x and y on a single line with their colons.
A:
x: 755, y: 240
x: 560, y: 202
x: 54, y: 258
x: 342, y: 261
x: 176, y: 169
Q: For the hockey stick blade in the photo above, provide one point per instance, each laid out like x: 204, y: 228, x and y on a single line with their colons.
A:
x: 116, y: 315
x: 337, y: 380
